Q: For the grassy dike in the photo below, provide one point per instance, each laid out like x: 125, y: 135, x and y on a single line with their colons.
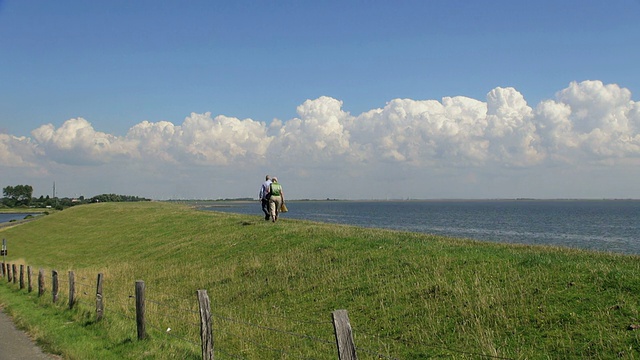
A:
x: 273, y: 288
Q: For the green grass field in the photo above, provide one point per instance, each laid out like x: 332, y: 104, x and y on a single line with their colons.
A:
x: 273, y: 288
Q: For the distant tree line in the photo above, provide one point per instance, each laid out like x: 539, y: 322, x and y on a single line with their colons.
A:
x: 21, y: 196
x: 116, y: 198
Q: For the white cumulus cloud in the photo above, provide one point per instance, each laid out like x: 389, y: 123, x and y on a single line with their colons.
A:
x: 77, y: 143
x: 153, y: 141
x: 318, y: 135
x: 511, y: 130
x: 222, y: 140
x: 586, y: 124
x: 425, y: 132
x: 590, y: 121
x: 17, y: 151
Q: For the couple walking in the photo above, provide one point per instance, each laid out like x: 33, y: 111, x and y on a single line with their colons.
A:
x: 271, y: 197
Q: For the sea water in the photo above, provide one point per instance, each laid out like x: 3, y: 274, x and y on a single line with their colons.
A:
x: 602, y: 225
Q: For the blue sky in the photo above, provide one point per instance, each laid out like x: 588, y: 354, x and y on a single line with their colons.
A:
x: 118, y: 64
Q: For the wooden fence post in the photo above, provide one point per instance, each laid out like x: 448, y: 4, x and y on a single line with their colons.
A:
x: 54, y: 286
x: 2, y: 269
x: 99, y: 303
x: 72, y: 289
x: 206, y: 335
x: 21, y: 276
x: 40, y: 282
x: 344, y: 335
x: 14, y: 270
x: 29, y: 287
x: 140, y: 309
x: 9, y: 279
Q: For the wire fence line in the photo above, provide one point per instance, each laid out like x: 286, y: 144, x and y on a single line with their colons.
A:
x: 289, y: 318
x: 234, y: 338
x: 283, y: 332
x: 240, y: 325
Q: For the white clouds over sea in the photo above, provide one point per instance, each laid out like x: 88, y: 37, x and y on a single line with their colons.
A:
x: 585, y: 142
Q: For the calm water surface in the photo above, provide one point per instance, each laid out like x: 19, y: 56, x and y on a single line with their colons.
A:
x: 6, y: 217
x: 603, y: 225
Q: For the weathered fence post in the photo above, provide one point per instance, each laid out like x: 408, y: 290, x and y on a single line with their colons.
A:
x: 54, y: 286
x: 3, y: 253
x: 40, y: 282
x: 21, y: 276
x: 72, y: 289
x: 99, y: 303
x: 140, y: 308
x: 344, y: 335
x: 205, y: 325
x: 29, y: 287
x: 14, y: 270
x: 9, y: 279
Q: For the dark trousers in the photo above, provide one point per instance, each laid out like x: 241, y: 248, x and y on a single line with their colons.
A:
x: 265, y: 209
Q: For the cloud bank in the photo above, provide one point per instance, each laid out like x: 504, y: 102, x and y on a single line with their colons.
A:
x: 587, y: 125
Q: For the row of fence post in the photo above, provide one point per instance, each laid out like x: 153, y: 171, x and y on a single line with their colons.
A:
x: 11, y: 271
x: 342, y: 328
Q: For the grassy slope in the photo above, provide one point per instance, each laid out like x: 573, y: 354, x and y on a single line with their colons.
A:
x: 408, y: 295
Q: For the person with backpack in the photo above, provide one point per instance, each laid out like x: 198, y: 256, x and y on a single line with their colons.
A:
x: 276, y: 198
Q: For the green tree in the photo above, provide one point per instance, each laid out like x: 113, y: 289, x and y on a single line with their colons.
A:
x: 17, y: 195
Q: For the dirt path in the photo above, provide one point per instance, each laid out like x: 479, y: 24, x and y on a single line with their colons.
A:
x: 16, y: 344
